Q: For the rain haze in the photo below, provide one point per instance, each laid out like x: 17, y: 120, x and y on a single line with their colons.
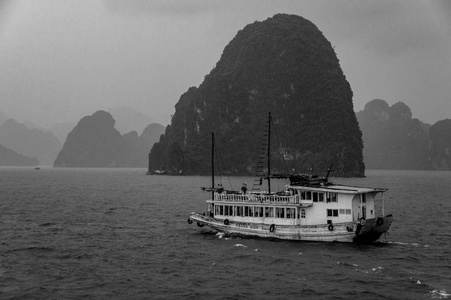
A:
x: 61, y: 60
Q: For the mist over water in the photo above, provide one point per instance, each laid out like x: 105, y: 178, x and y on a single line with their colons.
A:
x: 115, y: 233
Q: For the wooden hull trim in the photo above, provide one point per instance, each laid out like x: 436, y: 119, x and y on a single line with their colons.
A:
x: 321, y: 233
x: 366, y: 231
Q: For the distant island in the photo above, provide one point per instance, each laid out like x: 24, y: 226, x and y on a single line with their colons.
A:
x: 95, y: 143
x: 29, y: 142
x: 9, y: 157
x: 29, y: 145
x: 393, y: 140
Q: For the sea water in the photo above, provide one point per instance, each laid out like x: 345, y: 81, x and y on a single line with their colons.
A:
x: 118, y: 234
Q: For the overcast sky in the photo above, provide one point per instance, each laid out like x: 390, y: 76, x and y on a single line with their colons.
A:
x: 63, y: 59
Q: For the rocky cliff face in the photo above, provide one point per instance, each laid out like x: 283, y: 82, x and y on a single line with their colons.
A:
x: 283, y: 65
x: 392, y: 139
x: 29, y: 142
x: 440, y: 144
x: 95, y: 143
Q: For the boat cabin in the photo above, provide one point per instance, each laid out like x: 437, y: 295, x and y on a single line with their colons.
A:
x: 298, y: 205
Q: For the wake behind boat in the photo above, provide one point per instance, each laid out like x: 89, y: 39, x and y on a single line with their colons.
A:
x: 309, y: 208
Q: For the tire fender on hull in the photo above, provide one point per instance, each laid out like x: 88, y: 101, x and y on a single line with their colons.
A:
x: 272, y: 228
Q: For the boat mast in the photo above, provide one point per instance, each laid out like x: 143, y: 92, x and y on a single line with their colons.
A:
x: 212, y: 165
x: 269, y: 152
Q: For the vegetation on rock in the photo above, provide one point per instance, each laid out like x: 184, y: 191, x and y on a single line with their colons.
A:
x: 282, y: 65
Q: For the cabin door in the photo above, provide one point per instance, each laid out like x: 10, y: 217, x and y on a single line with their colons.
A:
x: 359, y: 207
x: 363, y: 205
x: 356, y: 208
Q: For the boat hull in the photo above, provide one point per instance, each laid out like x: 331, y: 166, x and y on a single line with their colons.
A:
x: 343, y: 232
x: 320, y: 233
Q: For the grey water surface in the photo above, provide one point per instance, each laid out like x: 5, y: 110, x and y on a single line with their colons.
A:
x: 118, y: 234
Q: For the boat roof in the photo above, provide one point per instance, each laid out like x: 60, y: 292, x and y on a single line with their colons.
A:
x: 337, y: 188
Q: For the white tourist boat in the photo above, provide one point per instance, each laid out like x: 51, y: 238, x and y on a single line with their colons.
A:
x: 309, y: 208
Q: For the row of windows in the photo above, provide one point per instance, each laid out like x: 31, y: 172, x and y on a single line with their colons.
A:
x: 258, y: 211
x: 334, y: 212
x: 321, y: 197
x: 318, y: 196
x: 270, y: 212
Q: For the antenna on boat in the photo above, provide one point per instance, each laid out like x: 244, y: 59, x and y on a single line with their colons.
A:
x: 212, y: 165
x: 269, y: 152
x: 328, y: 171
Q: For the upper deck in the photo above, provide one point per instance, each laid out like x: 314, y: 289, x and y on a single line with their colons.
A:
x: 305, y: 195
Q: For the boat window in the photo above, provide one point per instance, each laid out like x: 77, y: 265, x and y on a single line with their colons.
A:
x: 308, y: 195
x: 280, y: 212
x: 303, y: 213
x: 251, y: 211
x: 345, y: 211
x: 321, y: 197
x: 331, y: 197
x: 269, y: 212
x: 291, y: 213
x: 364, y: 198
x: 221, y: 210
x: 258, y: 212
x: 226, y: 210
x: 239, y: 211
x: 332, y: 212
x: 302, y: 195
x: 334, y: 197
x: 315, y: 197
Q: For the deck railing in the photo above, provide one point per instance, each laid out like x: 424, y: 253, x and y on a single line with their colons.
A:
x: 256, y: 198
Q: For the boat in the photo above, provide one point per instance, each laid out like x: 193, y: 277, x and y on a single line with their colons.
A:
x: 309, y: 208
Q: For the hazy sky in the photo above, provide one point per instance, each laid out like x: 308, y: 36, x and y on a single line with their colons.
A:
x: 63, y: 59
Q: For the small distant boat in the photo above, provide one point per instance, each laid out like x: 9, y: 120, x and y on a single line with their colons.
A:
x: 309, y: 208
x: 37, y: 168
x: 156, y: 172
